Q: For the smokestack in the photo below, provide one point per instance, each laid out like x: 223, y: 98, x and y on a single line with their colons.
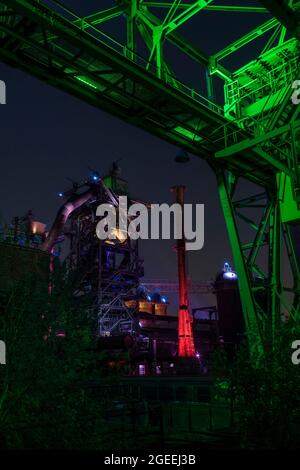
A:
x: 186, y: 347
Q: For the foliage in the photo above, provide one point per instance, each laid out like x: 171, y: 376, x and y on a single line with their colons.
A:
x: 45, y: 398
x: 265, y: 394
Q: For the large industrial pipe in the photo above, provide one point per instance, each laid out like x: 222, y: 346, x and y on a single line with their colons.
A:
x: 64, y: 212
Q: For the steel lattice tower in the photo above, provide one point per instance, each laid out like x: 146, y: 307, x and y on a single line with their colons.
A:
x: 101, y: 273
x: 249, y: 130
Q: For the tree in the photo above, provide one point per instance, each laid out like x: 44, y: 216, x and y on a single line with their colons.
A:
x: 266, y: 396
x: 44, y: 402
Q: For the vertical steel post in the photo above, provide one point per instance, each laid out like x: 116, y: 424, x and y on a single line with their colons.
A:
x: 275, y: 266
x: 247, y: 298
x: 131, y: 29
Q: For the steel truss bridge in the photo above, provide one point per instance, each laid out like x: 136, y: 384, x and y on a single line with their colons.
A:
x: 240, y: 119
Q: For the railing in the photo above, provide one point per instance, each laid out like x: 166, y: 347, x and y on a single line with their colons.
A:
x: 274, y: 80
x: 123, y: 50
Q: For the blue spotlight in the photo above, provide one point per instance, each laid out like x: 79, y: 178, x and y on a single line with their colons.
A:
x: 95, y: 177
x: 164, y: 300
x: 230, y: 275
x: 149, y: 298
x: 60, y: 194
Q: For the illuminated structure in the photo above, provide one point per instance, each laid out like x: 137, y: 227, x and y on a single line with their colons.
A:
x: 231, y: 326
x: 186, y: 347
x: 251, y: 130
x: 20, y: 256
x: 104, y: 273
x: 24, y: 231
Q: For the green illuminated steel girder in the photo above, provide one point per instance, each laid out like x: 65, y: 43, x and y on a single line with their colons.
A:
x: 229, y: 8
x: 260, y: 284
x: 185, y: 16
x: 177, y: 114
x: 100, y: 17
x: 249, y: 143
x: 169, y: 24
x: 287, y: 15
x: 247, y: 38
x: 247, y: 296
x: 185, y: 46
x: 285, y: 166
x: 149, y: 85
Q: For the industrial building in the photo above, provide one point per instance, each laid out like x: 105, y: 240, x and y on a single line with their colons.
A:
x: 107, y: 277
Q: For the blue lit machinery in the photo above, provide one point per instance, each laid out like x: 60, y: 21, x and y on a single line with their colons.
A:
x: 104, y: 272
x: 120, y: 269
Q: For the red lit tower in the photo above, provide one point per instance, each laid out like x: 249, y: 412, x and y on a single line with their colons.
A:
x: 186, y: 347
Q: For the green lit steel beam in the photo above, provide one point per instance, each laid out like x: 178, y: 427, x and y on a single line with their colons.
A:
x: 227, y: 8
x: 92, y: 80
x: 273, y: 163
x: 294, y: 262
x: 90, y: 21
x: 185, y: 46
x: 282, y: 36
x: 247, y: 38
x: 100, y: 17
x: 249, y: 221
x: 285, y: 14
x: 275, y: 237
x: 251, y: 143
x: 268, y: 235
x: 247, y: 298
x: 171, y: 12
x: 270, y: 43
x: 259, y: 237
x: 87, y: 93
x: 174, y: 38
x: 131, y: 29
x: 148, y: 39
x: 252, y: 201
x: 185, y: 15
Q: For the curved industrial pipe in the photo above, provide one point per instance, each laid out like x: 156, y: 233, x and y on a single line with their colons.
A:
x: 69, y: 206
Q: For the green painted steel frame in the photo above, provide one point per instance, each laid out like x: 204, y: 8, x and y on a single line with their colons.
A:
x: 260, y: 281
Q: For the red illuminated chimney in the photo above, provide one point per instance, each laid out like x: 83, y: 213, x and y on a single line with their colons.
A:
x: 186, y: 347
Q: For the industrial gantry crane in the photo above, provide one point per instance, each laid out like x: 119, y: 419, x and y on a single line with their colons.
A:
x: 129, y: 59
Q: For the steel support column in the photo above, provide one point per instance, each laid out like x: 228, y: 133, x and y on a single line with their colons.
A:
x: 275, y: 235
x: 247, y: 298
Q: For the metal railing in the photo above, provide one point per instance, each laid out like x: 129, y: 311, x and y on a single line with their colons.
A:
x: 123, y: 50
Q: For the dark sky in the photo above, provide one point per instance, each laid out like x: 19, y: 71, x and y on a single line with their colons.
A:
x: 48, y: 136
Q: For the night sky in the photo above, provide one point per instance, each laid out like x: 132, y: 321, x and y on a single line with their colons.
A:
x: 48, y: 136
